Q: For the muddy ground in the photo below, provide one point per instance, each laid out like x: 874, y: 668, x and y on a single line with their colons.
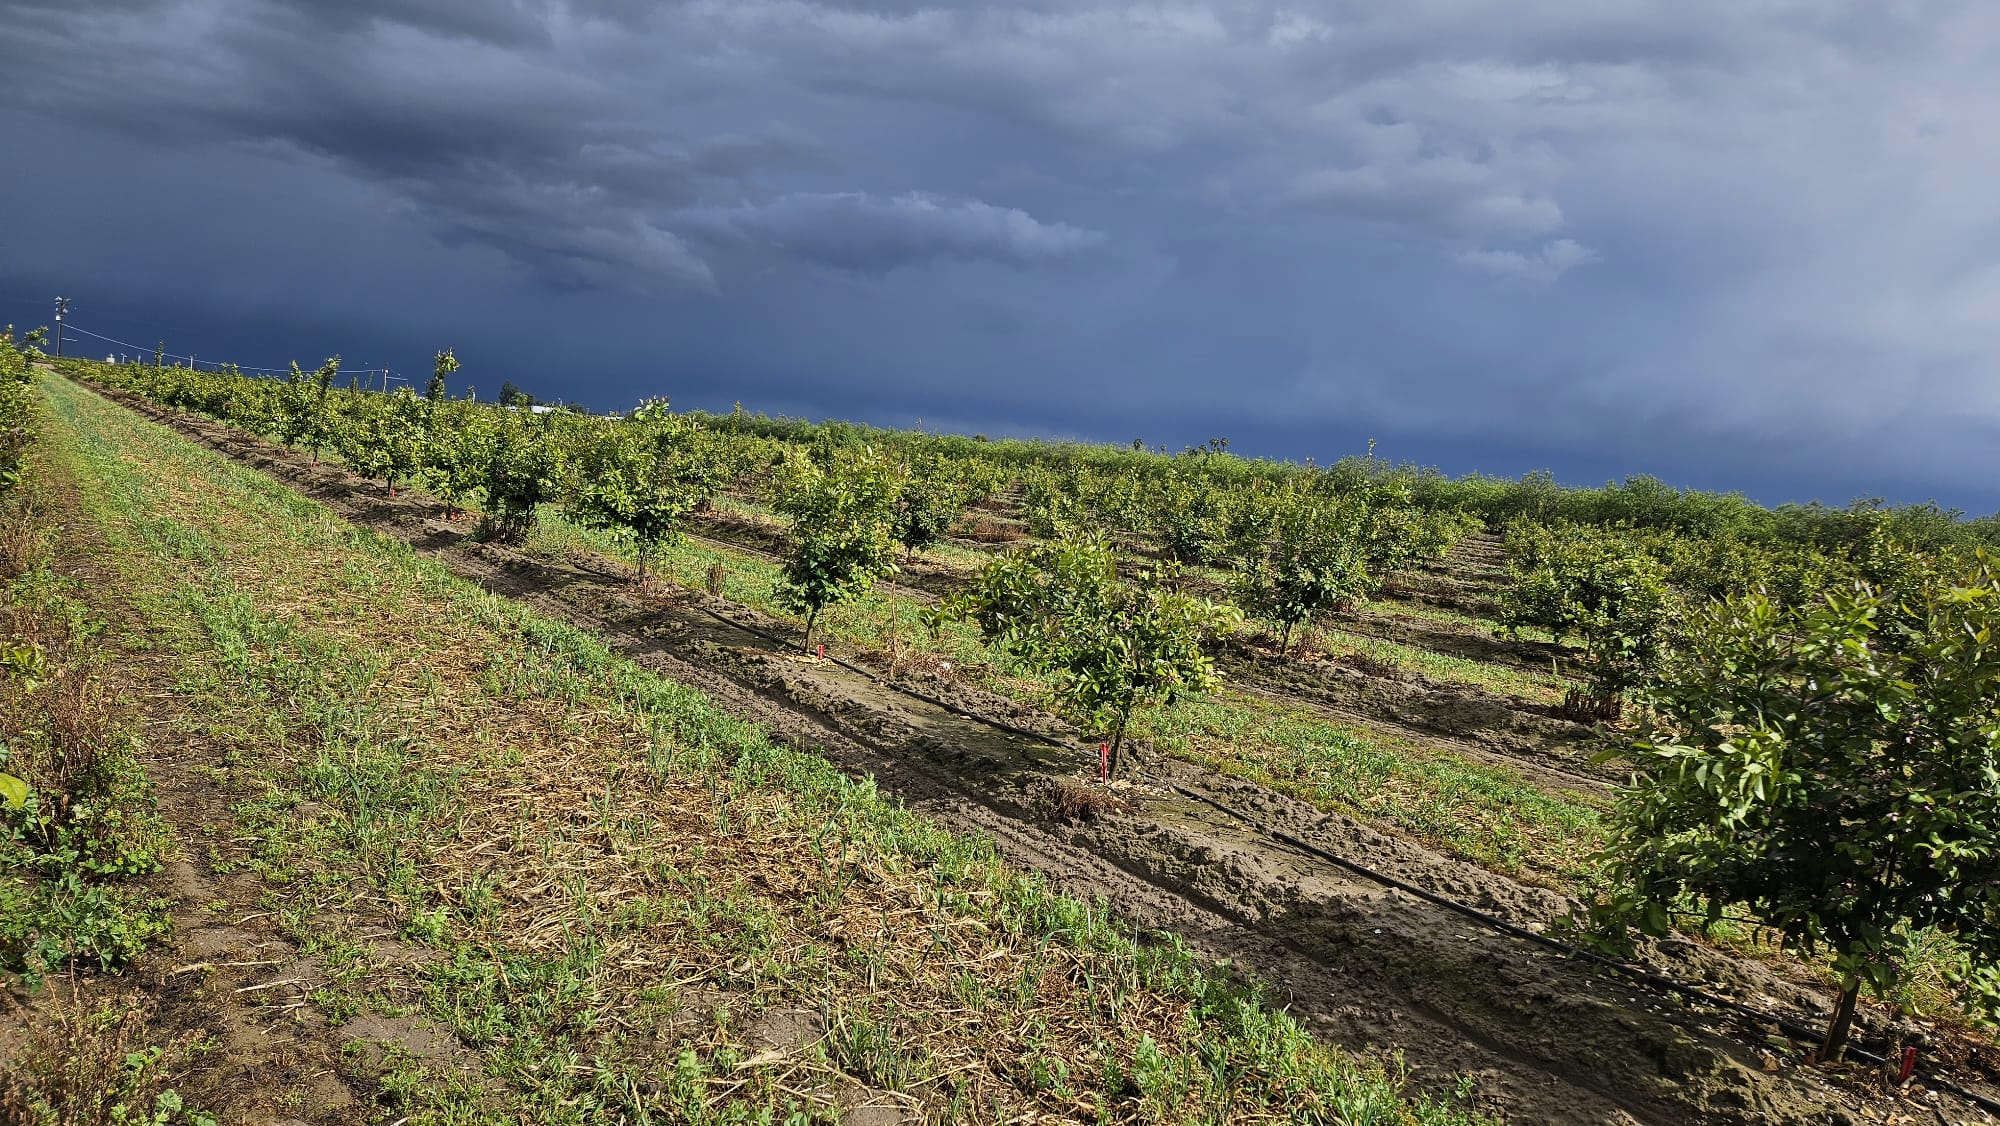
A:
x: 1545, y: 1038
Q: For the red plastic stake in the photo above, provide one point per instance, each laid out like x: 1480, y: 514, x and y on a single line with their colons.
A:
x: 1104, y: 763
x: 822, y: 650
x: 1909, y: 1063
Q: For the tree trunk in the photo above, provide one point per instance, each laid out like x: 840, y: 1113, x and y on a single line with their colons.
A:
x: 1835, y: 1045
x: 811, y: 616
x: 642, y: 567
x: 1117, y: 741
x: 1285, y: 640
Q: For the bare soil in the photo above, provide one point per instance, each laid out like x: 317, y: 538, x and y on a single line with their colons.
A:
x: 1546, y: 1039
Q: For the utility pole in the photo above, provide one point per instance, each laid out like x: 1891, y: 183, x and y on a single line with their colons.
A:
x: 62, y: 308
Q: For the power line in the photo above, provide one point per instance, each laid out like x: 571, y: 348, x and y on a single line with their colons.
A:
x: 165, y: 355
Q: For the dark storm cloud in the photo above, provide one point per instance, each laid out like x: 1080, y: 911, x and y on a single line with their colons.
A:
x: 1705, y: 237
x: 874, y: 234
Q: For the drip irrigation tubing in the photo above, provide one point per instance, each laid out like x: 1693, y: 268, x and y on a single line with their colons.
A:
x: 1627, y: 970
x: 1636, y: 973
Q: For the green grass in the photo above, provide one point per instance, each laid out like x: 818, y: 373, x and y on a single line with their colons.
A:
x: 617, y: 877
x: 1482, y: 813
x: 1485, y: 814
x: 1502, y: 680
x: 75, y: 857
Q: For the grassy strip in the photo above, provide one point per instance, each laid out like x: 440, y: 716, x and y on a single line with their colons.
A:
x: 638, y: 907
x: 1482, y: 813
x: 1501, y: 680
x: 75, y: 856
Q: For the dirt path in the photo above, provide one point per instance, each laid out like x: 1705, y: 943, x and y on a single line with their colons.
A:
x: 229, y: 973
x: 1545, y: 1039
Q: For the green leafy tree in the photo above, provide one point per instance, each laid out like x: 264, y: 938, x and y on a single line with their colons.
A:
x: 1189, y: 515
x: 442, y: 369
x: 842, y: 508
x: 16, y: 412
x: 1399, y: 536
x: 519, y: 466
x: 1315, y: 559
x: 304, y: 416
x: 1109, y: 645
x: 1830, y: 770
x: 642, y: 478
x: 405, y: 429
x: 381, y: 435
x: 457, y: 452
x: 928, y: 504
x: 1051, y: 502
x: 1601, y: 588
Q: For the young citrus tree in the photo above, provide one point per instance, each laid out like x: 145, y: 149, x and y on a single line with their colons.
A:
x: 641, y: 478
x: 303, y: 416
x: 441, y: 369
x: 1598, y: 586
x: 928, y: 504
x: 1189, y: 516
x: 519, y: 468
x: 16, y: 410
x: 1313, y: 559
x: 458, y: 438
x: 842, y: 506
x: 1051, y: 501
x: 1109, y: 645
x: 1832, y: 770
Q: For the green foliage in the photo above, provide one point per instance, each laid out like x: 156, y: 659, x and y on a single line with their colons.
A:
x: 1051, y: 503
x: 520, y: 468
x: 1835, y: 771
x: 929, y: 503
x: 16, y: 411
x: 302, y: 407
x: 1399, y: 536
x: 642, y: 478
x: 1314, y: 560
x: 454, y: 461
x: 1593, y: 584
x: 1189, y: 516
x: 842, y: 508
x: 442, y: 368
x: 1109, y: 645
x: 382, y: 435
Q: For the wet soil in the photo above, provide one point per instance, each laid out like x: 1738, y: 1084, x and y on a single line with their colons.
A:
x: 1545, y: 1038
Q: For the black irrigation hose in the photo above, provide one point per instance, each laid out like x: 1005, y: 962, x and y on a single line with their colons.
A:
x: 1492, y: 922
x: 1636, y: 973
x: 926, y: 697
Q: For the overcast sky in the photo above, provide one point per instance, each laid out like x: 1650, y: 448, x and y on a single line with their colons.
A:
x: 1733, y: 243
